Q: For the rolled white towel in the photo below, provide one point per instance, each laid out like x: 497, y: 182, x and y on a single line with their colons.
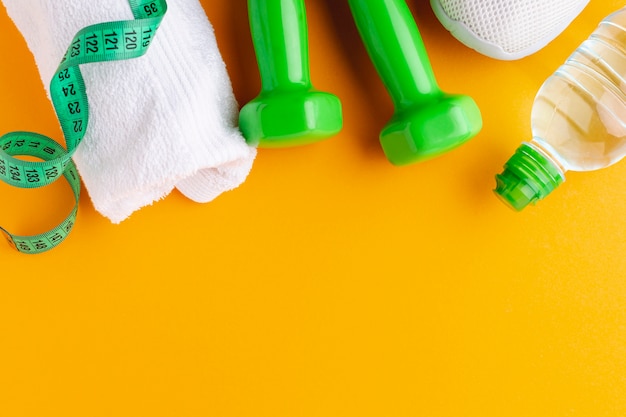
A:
x: 162, y: 121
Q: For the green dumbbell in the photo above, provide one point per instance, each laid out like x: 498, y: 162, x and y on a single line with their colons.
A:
x: 427, y: 122
x: 288, y: 111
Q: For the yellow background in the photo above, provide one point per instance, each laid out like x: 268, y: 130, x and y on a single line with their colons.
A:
x: 331, y: 283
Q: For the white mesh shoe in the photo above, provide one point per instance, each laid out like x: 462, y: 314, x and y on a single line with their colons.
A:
x: 506, y: 29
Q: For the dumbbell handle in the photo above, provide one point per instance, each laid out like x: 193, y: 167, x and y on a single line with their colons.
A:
x: 279, y: 33
x: 397, y: 50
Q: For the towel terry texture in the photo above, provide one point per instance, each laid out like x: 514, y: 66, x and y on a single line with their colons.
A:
x: 162, y: 121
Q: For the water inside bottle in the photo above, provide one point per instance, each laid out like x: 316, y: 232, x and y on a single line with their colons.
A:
x: 579, y: 113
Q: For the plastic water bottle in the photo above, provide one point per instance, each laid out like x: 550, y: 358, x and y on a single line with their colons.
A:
x: 578, y: 118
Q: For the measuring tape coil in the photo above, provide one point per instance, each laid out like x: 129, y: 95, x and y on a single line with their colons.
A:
x: 110, y: 41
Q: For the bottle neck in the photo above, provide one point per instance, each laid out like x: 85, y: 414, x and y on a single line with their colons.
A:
x: 548, y: 152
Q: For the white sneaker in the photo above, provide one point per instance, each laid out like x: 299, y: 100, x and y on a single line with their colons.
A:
x: 506, y: 29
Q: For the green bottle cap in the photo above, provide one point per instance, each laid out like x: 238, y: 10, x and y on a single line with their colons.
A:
x: 528, y: 176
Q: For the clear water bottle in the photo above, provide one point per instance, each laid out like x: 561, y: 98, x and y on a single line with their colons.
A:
x: 578, y: 118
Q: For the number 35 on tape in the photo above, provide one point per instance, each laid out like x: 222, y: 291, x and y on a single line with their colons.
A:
x: 109, y: 41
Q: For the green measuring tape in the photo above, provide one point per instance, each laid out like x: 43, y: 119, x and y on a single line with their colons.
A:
x: 110, y: 41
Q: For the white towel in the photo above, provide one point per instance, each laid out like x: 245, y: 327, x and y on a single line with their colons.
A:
x: 162, y: 121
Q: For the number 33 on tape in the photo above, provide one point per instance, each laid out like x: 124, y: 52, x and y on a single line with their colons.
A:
x: 110, y: 41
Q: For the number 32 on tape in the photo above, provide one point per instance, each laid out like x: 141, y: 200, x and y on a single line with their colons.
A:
x: 110, y: 41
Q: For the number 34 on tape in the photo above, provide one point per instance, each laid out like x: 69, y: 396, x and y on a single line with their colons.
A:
x: 109, y: 41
